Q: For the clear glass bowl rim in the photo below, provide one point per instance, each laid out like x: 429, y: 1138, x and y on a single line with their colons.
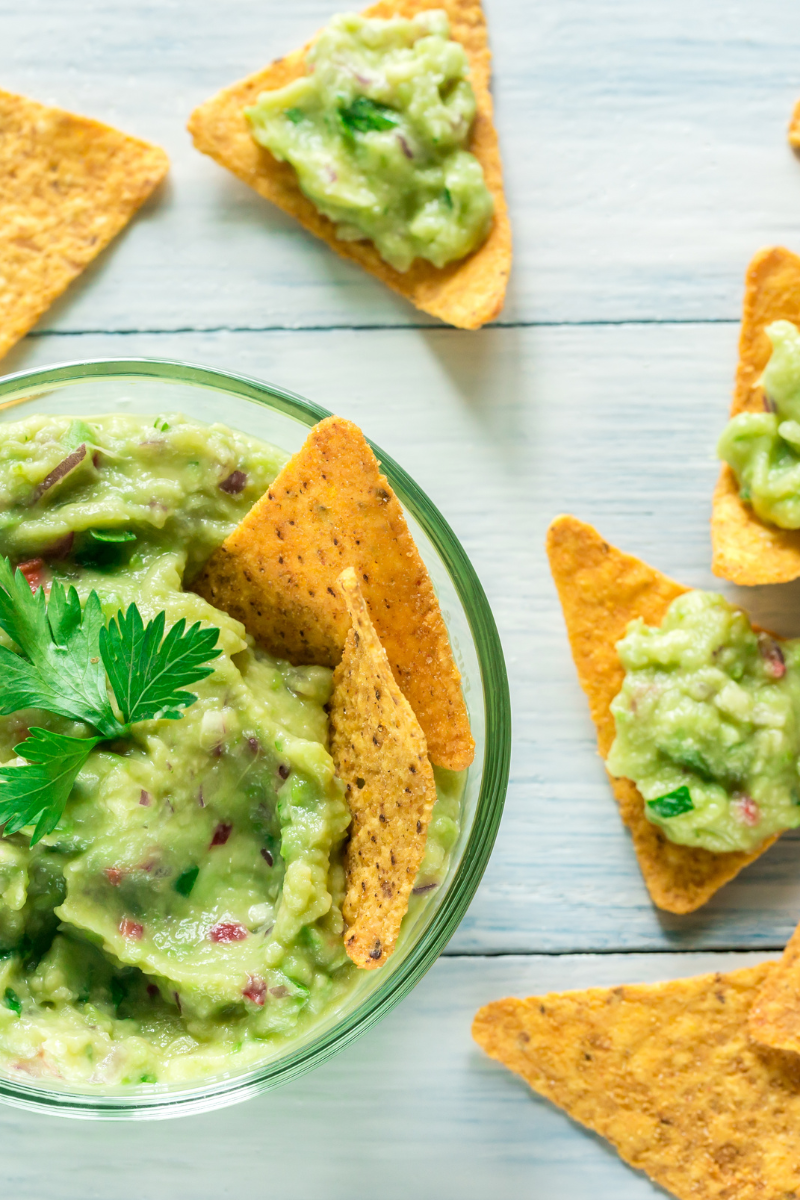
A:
x: 217, y: 1093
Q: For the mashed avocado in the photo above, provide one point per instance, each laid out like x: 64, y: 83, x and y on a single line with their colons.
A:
x: 377, y: 132
x: 763, y: 449
x: 186, y: 909
x: 708, y: 725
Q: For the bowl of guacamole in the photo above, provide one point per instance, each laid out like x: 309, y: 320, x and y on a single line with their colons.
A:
x: 171, y: 935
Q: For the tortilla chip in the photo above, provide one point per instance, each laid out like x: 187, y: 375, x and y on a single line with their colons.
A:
x: 668, y: 1075
x: 794, y: 128
x: 775, y: 1015
x: 381, y: 757
x: 331, y: 508
x: 68, y: 185
x: 467, y: 293
x: 601, y: 590
x: 746, y: 549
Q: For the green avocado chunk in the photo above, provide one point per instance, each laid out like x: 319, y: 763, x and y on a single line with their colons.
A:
x: 708, y: 725
x: 377, y: 132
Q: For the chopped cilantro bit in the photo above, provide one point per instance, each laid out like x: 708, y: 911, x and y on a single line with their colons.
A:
x: 295, y: 115
x: 368, y: 116
x: 673, y: 804
x: 186, y: 880
x: 119, y: 991
x: 12, y: 1001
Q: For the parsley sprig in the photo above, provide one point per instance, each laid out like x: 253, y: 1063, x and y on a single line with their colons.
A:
x: 66, y: 658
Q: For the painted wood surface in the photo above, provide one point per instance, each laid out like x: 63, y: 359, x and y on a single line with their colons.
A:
x: 646, y: 161
x: 644, y: 147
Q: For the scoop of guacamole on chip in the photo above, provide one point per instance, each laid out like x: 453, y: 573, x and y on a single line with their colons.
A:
x: 708, y: 725
x: 378, y: 130
x: 763, y: 448
x: 172, y: 853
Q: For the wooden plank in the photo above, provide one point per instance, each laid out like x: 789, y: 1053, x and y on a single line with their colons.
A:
x: 413, y: 1109
x: 504, y: 431
x: 644, y: 145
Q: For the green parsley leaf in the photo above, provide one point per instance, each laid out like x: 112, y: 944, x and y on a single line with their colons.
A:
x: 148, y: 670
x: 673, y: 804
x: 368, y: 116
x: 12, y: 1001
x: 59, y: 669
x: 65, y: 653
x: 35, y: 793
x: 186, y: 880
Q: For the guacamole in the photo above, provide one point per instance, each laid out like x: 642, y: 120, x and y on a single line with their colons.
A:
x: 184, y: 917
x: 377, y: 132
x: 763, y: 449
x: 708, y: 725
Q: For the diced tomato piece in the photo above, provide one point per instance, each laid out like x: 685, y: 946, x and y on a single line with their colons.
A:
x: 114, y: 876
x: 221, y: 834
x: 131, y: 929
x: 255, y: 991
x: 228, y: 931
x: 34, y: 571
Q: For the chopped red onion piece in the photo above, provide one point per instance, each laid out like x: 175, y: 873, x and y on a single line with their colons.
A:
x: 178, y: 1003
x: 228, y: 931
x: 235, y: 483
x: 256, y: 990
x: 284, y: 771
x: 221, y: 834
x: 114, y: 876
x: 58, y: 472
x: 61, y: 548
x: 267, y: 857
x: 423, y: 887
x: 280, y: 991
x: 769, y: 404
x: 152, y: 991
x: 145, y: 799
x: 131, y: 929
x: 747, y: 810
x: 773, y: 656
x: 405, y: 146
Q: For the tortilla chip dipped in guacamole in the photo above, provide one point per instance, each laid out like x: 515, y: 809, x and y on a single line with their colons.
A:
x: 378, y: 137
x: 755, y: 523
x: 68, y: 185
x: 277, y: 573
x: 668, y: 1074
x: 602, y: 591
x: 381, y: 757
x: 775, y: 1015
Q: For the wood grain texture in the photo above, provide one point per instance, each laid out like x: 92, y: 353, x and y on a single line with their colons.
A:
x: 644, y: 148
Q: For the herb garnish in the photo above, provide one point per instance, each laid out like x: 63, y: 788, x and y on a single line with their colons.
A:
x: 673, y: 804
x: 65, y: 655
x: 363, y: 115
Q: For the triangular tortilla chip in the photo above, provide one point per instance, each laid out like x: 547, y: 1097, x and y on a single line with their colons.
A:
x: 67, y: 187
x: 775, y: 1015
x: 601, y: 590
x: 467, y: 293
x: 381, y: 757
x: 331, y: 508
x: 668, y: 1075
x: 794, y: 128
x: 746, y: 549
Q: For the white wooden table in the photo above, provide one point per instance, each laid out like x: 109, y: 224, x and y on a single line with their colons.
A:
x: 646, y: 161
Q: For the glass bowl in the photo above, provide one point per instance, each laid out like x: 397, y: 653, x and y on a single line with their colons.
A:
x: 151, y: 386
